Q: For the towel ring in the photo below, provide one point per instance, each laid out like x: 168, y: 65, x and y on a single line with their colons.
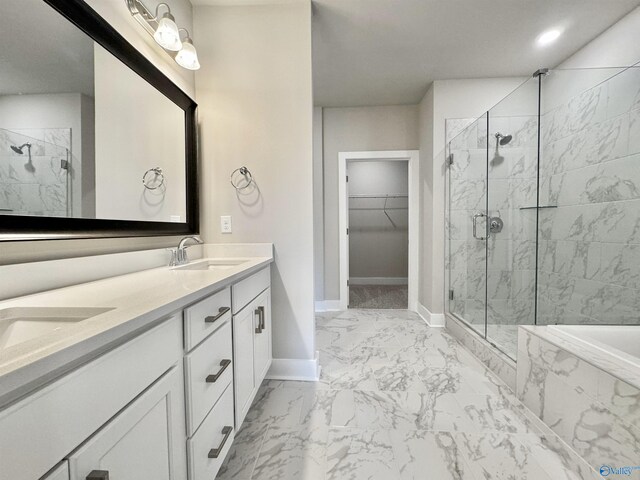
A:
x: 244, y: 171
x: 157, y: 171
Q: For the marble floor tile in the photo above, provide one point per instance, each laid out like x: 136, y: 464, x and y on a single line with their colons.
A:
x: 456, y: 379
x: 410, y: 411
x: 280, y: 405
x: 494, y: 413
x: 239, y: 463
x: 417, y: 358
x: 397, y: 377
x: 328, y: 408
x: 499, y: 456
x: 557, y: 459
x: 292, y: 453
x: 355, y: 454
x: 421, y: 454
x: 367, y: 338
x: 372, y: 356
x: 349, y: 377
x: 396, y: 400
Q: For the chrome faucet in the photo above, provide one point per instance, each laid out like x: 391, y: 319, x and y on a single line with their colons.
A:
x: 179, y: 255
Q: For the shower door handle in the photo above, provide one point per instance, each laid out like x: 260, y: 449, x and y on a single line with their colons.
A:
x: 475, y: 226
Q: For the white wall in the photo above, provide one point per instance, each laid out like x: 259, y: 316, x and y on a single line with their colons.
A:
x: 446, y: 99
x: 357, y: 129
x: 377, y: 247
x: 255, y: 96
x: 116, y: 13
x: 618, y: 46
x: 318, y: 201
x: 124, y: 153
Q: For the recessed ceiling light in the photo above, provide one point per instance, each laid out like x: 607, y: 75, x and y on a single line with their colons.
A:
x: 548, y: 37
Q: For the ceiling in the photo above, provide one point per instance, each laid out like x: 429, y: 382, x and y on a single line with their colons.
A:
x: 386, y: 52
x: 42, y: 52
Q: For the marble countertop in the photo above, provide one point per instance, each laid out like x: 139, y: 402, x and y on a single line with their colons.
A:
x: 136, y: 302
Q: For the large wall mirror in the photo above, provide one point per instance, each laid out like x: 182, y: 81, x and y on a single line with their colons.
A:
x: 94, y: 140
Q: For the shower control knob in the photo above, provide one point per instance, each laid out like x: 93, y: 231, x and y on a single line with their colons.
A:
x: 495, y: 224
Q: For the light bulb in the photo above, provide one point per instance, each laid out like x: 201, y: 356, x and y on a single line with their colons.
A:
x: 167, y: 35
x: 188, y: 57
x: 548, y: 37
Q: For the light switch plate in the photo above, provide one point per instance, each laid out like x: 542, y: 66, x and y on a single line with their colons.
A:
x: 225, y: 224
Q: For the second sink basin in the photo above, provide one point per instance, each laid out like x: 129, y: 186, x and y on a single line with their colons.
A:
x: 19, y: 325
x: 213, y: 264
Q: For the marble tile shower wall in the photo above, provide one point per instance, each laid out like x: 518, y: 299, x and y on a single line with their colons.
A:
x: 511, y: 185
x: 37, y: 186
x: 589, y: 268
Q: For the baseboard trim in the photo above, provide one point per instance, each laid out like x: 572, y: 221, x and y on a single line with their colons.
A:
x: 295, y: 369
x: 431, y: 319
x: 328, y: 306
x: 378, y: 281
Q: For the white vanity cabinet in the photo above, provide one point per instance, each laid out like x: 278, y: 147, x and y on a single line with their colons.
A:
x: 92, y: 402
x: 146, y: 440
x: 165, y: 404
x: 251, y: 338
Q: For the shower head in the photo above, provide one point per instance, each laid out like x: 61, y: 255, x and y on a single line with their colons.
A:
x: 19, y: 149
x: 503, y: 139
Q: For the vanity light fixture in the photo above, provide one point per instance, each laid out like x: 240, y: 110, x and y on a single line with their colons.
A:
x: 166, y: 33
x: 187, y: 57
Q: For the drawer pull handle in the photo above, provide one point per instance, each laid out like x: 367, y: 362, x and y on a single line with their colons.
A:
x: 215, y: 452
x: 215, y: 376
x: 98, y: 475
x: 262, y: 324
x: 221, y: 312
x: 259, y: 327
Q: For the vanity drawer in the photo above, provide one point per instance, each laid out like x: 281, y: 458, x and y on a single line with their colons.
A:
x: 211, y: 443
x: 208, y: 370
x: 206, y: 316
x: 246, y: 290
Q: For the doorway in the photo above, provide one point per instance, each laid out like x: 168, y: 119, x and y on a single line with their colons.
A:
x: 378, y: 229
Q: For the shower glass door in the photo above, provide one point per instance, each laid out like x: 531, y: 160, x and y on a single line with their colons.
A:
x: 467, y: 223
x: 512, y: 196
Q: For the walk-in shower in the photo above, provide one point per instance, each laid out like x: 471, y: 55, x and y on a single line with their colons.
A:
x: 565, y: 184
x: 35, y: 173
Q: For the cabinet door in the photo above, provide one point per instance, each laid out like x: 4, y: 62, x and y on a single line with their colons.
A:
x: 147, y: 440
x: 262, y: 340
x: 244, y: 325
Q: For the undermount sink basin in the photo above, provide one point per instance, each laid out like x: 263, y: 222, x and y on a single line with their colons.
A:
x: 19, y: 325
x: 213, y: 264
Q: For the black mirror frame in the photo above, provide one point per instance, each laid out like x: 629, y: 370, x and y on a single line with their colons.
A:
x: 28, y: 228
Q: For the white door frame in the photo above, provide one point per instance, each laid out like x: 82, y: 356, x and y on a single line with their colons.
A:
x: 412, y: 157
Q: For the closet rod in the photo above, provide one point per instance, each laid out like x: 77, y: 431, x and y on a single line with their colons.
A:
x: 379, y: 208
x: 394, y: 195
